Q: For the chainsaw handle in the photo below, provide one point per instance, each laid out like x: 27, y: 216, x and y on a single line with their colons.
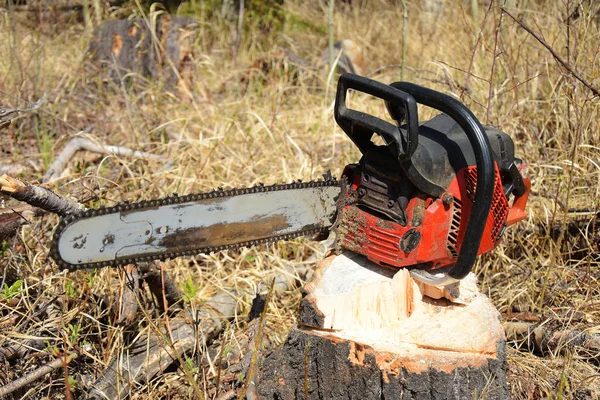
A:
x: 360, y: 126
x: 485, y: 170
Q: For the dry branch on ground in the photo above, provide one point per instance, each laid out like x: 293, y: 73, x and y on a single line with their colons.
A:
x: 82, y: 143
x: 38, y: 196
x: 37, y: 374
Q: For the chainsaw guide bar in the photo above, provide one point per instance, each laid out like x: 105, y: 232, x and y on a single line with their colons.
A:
x: 128, y: 233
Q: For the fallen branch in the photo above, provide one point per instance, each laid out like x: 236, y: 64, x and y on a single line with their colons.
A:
x: 81, y: 143
x: 5, y: 112
x: 35, y: 375
x: 149, y: 355
x: 11, y: 169
x: 558, y: 58
x: 37, y: 196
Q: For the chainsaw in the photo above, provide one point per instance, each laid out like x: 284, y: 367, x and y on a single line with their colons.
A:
x: 430, y: 197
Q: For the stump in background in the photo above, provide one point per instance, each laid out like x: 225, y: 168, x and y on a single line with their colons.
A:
x: 367, y: 333
x: 161, y: 52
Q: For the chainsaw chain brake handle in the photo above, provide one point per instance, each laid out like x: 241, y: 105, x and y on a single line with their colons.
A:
x: 360, y: 126
x: 401, y: 101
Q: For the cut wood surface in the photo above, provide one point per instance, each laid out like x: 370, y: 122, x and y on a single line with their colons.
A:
x: 365, y: 331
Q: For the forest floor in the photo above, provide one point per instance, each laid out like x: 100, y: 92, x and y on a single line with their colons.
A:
x: 250, y: 116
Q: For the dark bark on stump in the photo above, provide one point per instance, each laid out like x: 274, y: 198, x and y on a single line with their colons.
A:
x: 313, y: 366
x: 160, y: 52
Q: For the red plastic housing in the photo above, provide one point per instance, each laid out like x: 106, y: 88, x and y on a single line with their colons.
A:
x: 434, y: 230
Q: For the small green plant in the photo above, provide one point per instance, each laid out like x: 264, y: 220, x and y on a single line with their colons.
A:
x: 190, y: 289
x: 9, y: 292
x: 72, y: 382
x: 189, y: 363
x: 45, y: 143
x: 226, y: 350
x: 3, y: 247
x: 70, y: 290
x: 74, y: 331
x: 91, y: 278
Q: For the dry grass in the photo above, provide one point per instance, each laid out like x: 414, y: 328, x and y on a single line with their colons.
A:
x: 274, y: 126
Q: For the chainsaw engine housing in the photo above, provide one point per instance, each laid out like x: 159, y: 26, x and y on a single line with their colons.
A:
x: 409, y: 202
x: 395, y: 224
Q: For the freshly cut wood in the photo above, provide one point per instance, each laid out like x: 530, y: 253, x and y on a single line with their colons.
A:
x: 38, y: 196
x: 367, y: 332
x: 158, y: 50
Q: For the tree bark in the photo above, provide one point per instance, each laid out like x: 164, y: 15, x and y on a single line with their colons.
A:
x: 12, y: 219
x: 367, y: 333
x: 161, y: 52
x: 38, y: 196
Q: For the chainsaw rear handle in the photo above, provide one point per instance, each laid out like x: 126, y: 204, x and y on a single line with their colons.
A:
x: 360, y: 126
x: 485, y: 177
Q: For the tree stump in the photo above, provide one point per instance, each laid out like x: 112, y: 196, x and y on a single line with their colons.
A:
x: 162, y: 51
x: 366, y: 332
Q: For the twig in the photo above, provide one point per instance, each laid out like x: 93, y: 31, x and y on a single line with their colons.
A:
x: 330, y: 27
x: 81, y: 143
x: 162, y: 286
x: 472, y: 61
x: 240, y: 26
x: 35, y: 375
x: 131, y: 286
x: 257, y: 339
x: 494, y: 55
x: 65, y: 364
x: 404, y: 30
x: 5, y: 112
x: 37, y: 196
x: 558, y: 58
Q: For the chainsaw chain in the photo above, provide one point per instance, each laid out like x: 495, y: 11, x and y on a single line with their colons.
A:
x: 175, y: 199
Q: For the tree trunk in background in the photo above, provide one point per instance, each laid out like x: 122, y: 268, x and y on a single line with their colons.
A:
x: 162, y: 52
x: 367, y: 333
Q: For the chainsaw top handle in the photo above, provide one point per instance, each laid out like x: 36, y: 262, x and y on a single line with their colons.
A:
x: 485, y: 176
x: 360, y: 126
x: 401, y: 99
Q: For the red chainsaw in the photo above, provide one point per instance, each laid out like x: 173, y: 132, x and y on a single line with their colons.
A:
x: 431, y: 197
